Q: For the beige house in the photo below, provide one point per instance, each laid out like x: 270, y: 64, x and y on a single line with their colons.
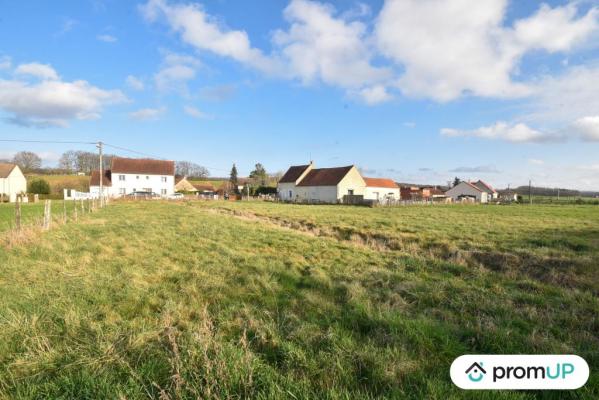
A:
x: 304, y: 183
x: 485, y: 187
x: 12, y: 182
x: 183, y: 185
x: 466, y: 191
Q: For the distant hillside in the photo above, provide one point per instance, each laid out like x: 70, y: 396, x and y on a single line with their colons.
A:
x: 60, y: 182
x: 544, y: 191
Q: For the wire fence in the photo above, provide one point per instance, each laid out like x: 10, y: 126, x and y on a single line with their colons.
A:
x: 20, y: 219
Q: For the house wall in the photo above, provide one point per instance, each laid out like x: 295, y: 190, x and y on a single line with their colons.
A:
x: 352, y: 181
x: 370, y: 193
x: 463, y: 189
x: 137, y: 182
x: 284, y: 189
x: 13, y: 185
x: 322, y: 194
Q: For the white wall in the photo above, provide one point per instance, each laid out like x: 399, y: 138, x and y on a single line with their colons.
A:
x: 371, y: 193
x: 323, y: 194
x: 284, y: 189
x: 14, y: 184
x: 352, y: 181
x: 136, y: 183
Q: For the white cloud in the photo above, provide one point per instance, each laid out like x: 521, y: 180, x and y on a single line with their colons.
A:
x: 196, y: 113
x: 587, y: 128
x: 517, y: 133
x: 535, y: 161
x: 42, y: 71
x: 148, y: 114
x: 564, y: 98
x: 134, y: 83
x: 202, y: 31
x: 175, y: 72
x: 107, y: 38
x: 449, y: 48
x: 51, y: 101
x: 319, y: 46
x: 375, y: 95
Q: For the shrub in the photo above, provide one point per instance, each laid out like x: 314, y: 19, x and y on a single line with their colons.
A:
x: 38, y: 186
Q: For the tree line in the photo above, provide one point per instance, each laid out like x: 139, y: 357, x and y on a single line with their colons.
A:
x: 78, y: 161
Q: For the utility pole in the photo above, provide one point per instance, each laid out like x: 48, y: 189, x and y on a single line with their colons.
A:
x: 100, y: 146
x: 530, y: 192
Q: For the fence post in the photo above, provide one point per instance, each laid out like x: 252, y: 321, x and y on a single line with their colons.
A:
x: 47, y: 214
x: 18, y: 214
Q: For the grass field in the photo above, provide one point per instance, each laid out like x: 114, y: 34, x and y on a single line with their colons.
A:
x: 32, y: 213
x: 260, y: 300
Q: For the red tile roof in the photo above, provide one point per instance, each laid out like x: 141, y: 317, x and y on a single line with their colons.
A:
x: 95, y: 178
x: 142, y: 166
x: 6, y: 169
x: 381, y: 182
x: 293, y: 173
x: 325, y: 176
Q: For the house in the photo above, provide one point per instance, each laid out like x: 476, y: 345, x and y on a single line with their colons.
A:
x: 128, y: 175
x: 381, y: 190
x: 183, y: 185
x: 410, y: 193
x: 288, y: 182
x: 466, y: 191
x: 12, y: 182
x: 491, y: 193
x: 305, y: 183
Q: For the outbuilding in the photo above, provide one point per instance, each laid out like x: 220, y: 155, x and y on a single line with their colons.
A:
x: 12, y: 182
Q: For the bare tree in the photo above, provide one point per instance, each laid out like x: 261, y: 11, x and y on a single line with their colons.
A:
x: 68, y: 161
x: 190, y: 169
x: 27, y: 160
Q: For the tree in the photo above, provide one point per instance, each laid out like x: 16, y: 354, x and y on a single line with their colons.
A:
x: 190, y: 169
x: 233, y: 178
x: 259, y: 175
x: 27, y: 161
x: 68, y: 161
x: 456, y: 181
x: 38, y: 186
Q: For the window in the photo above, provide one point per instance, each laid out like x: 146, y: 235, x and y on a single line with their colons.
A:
x: 163, y: 192
x: 350, y: 192
x: 122, y: 191
x: 147, y: 177
x: 137, y: 177
x: 164, y: 179
x: 121, y: 177
x: 291, y: 194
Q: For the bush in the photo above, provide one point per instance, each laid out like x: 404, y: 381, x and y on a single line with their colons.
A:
x: 38, y: 186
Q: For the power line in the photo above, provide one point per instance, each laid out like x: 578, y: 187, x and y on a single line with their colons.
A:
x: 95, y: 143
x: 44, y: 141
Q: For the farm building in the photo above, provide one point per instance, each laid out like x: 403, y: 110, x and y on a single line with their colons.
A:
x: 12, y: 182
x: 128, y: 175
x: 183, y: 185
x: 305, y: 183
x: 466, y: 191
x: 381, y: 189
x: 485, y: 187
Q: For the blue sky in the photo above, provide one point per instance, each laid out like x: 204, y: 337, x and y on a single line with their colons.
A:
x: 419, y: 91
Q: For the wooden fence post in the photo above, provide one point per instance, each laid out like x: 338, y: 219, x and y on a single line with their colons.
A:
x: 18, y: 215
x: 47, y: 214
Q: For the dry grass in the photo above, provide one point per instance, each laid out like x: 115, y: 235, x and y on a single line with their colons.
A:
x: 172, y: 301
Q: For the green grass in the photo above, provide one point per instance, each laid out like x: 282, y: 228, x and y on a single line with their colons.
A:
x: 185, y: 300
x: 32, y: 214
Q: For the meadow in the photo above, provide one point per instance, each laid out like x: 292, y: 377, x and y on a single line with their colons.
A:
x: 261, y: 300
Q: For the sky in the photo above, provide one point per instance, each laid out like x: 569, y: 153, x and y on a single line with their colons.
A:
x: 419, y: 91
